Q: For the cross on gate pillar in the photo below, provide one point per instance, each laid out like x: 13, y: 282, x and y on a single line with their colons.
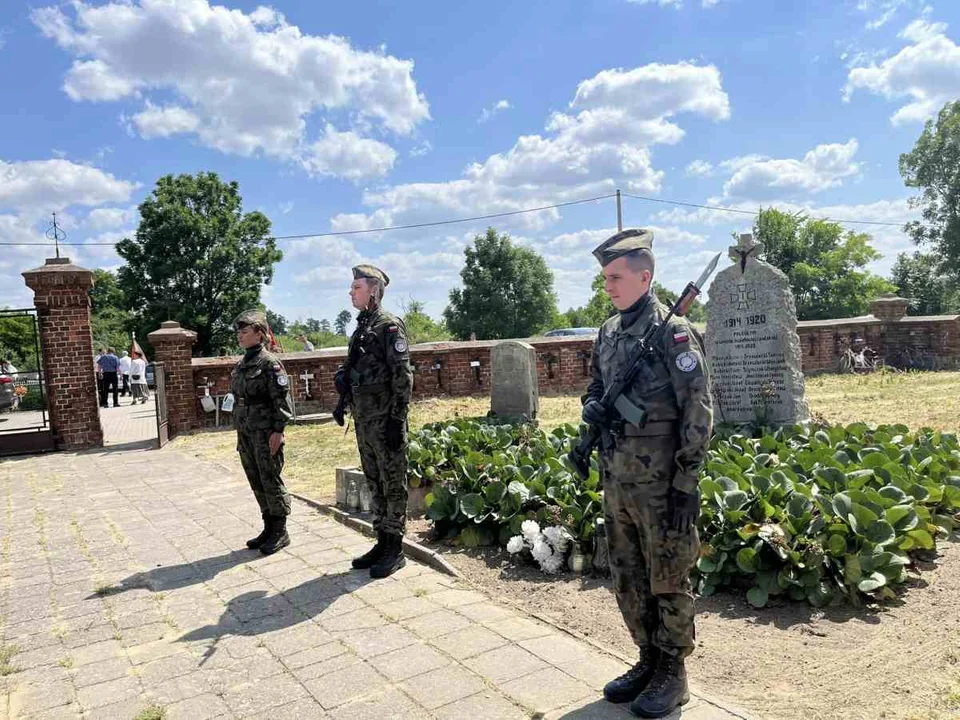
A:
x: 62, y: 297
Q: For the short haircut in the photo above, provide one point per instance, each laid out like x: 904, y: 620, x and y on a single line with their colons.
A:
x: 640, y: 260
x: 111, y: 350
x: 376, y: 287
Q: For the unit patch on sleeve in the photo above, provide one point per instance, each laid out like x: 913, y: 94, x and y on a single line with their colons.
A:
x: 687, y: 361
x: 283, y: 380
x: 400, y: 345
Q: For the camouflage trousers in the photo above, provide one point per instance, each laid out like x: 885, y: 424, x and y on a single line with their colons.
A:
x: 386, y: 472
x: 263, y: 472
x: 650, y: 563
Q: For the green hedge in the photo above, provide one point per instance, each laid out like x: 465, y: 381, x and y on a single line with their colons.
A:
x: 818, y: 514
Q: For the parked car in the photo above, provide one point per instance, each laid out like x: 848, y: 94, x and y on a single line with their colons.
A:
x: 8, y: 395
x: 151, y: 378
x: 561, y: 332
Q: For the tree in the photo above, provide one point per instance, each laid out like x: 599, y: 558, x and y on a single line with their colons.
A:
x: 343, y: 319
x: 420, y: 326
x: 277, y: 323
x: 934, y: 167
x: 507, y: 291
x: 920, y: 279
x: 325, y: 326
x: 196, y: 258
x: 312, y: 325
x: 110, y: 321
x: 697, y: 312
x: 824, y: 264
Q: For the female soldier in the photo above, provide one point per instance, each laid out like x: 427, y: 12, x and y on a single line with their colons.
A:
x: 260, y: 401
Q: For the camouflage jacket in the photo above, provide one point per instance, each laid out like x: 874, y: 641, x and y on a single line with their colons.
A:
x: 261, y: 391
x: 379, y: 368
x: 673, y: 386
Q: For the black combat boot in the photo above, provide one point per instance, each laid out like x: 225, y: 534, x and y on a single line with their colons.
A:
x: 277, y: 539
x: 392, y: 558
x: 667, y: 690
x: 254, y: 543
x: 370, y: 558
x: 626, y: 687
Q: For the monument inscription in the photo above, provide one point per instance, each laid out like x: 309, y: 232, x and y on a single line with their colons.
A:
x: 752, y: 346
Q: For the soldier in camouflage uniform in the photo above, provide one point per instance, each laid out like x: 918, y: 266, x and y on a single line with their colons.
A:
x: 260, y: 394
x: 379, y: 380
x: 651, y: 496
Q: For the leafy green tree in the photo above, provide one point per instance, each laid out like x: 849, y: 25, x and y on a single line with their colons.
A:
x: 18, y: 342
x: 196, y: 258
x: 277, y: 323
x: 919, y: 278
x: 312, y: 325
x: 697, y: 312
x: 343, y: 319
x: 826, y: 266
x: 420, y: 326
x: 325, y: 326
x: 933, y: 166
x: 110, y: 320
x: 507, y: 291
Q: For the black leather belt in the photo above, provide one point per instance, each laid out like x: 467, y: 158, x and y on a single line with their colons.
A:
x: 245, y: 402
x: 661, y: 428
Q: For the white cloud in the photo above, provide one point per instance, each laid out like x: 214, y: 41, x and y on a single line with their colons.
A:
x: 699, y: 168
x: 347, y: 155
x: 244, y: 83
x: 620, y: 114
x: 821, y: 168
x: 886, y: 9
x: 498, y: 107
x: 285, y: 207
x: 927, y: 72
x: 55, y: 184
x: 155, y: 121
x: 110, y: 218
x: 422, y: 149
x: 710, y: 3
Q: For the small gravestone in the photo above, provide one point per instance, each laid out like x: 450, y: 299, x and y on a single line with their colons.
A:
x: 752, y: 345
x: 513, y: 380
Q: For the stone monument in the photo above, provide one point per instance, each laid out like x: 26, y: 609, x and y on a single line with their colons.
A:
x: 513, y: 380
x: 752, y: 345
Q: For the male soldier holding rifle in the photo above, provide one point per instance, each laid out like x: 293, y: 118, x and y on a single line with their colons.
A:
x: 649, y: 407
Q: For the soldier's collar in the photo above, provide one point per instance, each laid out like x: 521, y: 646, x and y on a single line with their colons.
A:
x: 633, y: 313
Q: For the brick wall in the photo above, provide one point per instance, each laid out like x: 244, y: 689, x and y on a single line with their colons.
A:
x: 562, y: 366
x: 62, y: 298
x: 172, y: 346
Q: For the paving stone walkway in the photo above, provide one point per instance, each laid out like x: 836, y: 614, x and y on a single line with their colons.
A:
x: 123, y: 588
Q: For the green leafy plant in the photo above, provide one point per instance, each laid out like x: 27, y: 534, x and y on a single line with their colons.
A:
x: 820, y: 513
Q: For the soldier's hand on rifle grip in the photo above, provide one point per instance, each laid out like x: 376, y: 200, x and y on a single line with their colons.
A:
x: 595, y: 414
x: 684, y: 510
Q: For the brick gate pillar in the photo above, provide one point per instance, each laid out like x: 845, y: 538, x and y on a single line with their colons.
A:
x: 61, y: 293
x: 172, y: 346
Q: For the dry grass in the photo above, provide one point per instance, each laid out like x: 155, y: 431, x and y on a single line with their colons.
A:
x: 313, y: 452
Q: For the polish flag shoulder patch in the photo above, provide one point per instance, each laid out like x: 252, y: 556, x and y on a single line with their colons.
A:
x: 681, y: 336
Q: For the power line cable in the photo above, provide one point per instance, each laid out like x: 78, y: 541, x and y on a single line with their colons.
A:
x: 720, y: 208
x: 411, y: 226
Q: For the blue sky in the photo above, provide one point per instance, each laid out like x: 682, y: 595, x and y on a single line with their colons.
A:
x: 342, y: 116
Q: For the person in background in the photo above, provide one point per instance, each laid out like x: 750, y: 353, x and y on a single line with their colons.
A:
x: 109, y: 365
x: 138, y: 378
x: 125, y: 363
x: 96, y: 368
x: 7, y: 367
x: 307, y: 345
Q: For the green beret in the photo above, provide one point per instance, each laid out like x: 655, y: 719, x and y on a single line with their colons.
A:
x: 254, y: 318
x: 622, y: 243
x: 370, y: 272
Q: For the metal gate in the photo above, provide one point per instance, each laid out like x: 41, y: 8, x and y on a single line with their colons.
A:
x: 160, y: 390
x: 24, y: 420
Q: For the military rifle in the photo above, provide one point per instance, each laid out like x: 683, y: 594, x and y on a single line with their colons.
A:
x: 344, y: 401
x: 613, y: 399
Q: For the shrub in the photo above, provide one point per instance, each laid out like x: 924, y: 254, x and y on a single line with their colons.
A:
x: 818, y: 514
